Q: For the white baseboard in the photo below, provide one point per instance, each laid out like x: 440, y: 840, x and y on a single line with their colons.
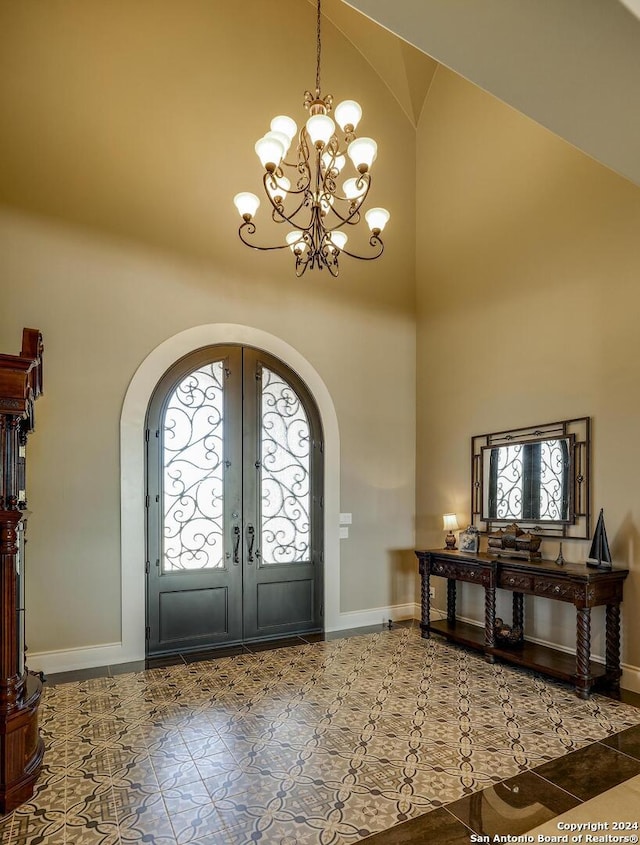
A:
x: 111, y: 654
x: 630, y: 677
x: 375, y: 616
x: 71, y: 659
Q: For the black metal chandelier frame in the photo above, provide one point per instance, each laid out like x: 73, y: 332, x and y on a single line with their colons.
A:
x: 313, y: 186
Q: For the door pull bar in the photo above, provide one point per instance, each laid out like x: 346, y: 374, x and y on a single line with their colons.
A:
x: 236, y: 545
x: 251, y: 536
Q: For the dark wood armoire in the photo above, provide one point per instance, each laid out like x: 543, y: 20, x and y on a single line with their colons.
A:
x: 21, y: 748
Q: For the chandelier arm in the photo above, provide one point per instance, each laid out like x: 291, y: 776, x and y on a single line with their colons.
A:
x: 303, y: 150
x: 302, y: 262
x: 375, y: 241
x: 280, y: 211
x: 352, y: 218
x: 297, y: 167
x: 289, y: 217
x: 250, y: 229
x: 329, y: 258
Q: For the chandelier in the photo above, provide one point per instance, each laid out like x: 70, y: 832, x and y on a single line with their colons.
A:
x: 310, y: 200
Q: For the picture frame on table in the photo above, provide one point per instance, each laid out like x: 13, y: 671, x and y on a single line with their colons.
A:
x: 469, y: 540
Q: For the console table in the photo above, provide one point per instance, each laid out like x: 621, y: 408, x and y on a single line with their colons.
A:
x: 573, y: 583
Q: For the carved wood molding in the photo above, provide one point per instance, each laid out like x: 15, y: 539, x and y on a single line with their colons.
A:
x: 461, y: 572
x: 21, y: 379
x: 21, y: 748
x: 515, y: 581
x: 556, y: 590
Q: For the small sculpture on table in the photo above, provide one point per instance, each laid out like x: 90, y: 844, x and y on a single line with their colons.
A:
x: 512, y: 541
x: 600, y: 554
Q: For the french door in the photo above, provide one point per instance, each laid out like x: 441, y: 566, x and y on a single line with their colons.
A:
x: 233, y: 504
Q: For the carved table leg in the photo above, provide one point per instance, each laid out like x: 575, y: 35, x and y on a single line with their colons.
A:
x: 489, y: 621
x: 451, y: 600
x: 583, y: 652
x: 613, y: 644
x: 425, y: 601
x: 517, y: 618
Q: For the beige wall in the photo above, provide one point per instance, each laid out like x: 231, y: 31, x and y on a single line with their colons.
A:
x: 528, y: 269
x: 130, y: 130
x: 131, y: 127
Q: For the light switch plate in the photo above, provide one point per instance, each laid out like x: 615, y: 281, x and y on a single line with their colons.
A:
x: 344, y: 533
x: 346, y: 518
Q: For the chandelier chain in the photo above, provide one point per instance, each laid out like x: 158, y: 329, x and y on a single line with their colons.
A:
x: 318, y: 51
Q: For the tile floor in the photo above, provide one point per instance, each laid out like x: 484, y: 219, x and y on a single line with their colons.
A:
x: 319, y: 743
x: 616, y: 811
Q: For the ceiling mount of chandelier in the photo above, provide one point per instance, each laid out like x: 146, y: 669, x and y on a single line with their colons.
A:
x: 311, y: 199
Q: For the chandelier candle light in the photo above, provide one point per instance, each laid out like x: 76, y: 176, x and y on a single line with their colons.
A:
x: 310, y: 201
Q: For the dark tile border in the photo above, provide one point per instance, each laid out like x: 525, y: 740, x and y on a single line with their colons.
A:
x: 626, y: 742
x: 590, y: 771
x: 559, y: 786
x: 519, y: 803
x: 438, y: 827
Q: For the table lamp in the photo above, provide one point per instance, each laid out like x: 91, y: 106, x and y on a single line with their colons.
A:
x: 450, y: 524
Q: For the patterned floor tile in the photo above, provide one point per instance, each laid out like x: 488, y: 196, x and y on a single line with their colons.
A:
x: 218, y: 765
x: 31, y: 826
x: 88, y: 835
x: 313, y: 744
x: 198, y: 824
x: 248, y: 786
x: 145, y: 820
x: 171, y: 775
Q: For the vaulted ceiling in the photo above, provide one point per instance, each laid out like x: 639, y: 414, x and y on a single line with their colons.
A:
x: 571, y: 65
x: 404, y: 69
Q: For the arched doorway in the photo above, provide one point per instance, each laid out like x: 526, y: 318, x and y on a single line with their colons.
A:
x: 234, y: 496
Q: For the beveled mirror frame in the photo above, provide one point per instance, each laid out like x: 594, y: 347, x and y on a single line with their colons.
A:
x: 578, y: 431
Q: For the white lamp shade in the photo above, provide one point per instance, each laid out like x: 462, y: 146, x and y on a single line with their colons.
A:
x: 246, y: 203
x: 295, y: 241
x: 335, y: 164
x: 280, y: 189
x: 352, y: 190
x: 270, y: 152
x: 338, y: 239
x: 320, y: 128
x: 286, y: 125
x: 348, y: 113
x: 280, y: 136
x: 362, y: 152
x: 450, y: 522
x: 377, y: 219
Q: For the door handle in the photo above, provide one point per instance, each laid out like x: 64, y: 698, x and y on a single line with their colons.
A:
x: 236, y: 545
x: 251, y: 537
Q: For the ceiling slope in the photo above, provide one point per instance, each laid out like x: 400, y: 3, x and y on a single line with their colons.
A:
x: 571, y: 65
x: 406, y: 71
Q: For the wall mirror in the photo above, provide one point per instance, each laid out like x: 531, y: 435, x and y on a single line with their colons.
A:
x: 538, y: 477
